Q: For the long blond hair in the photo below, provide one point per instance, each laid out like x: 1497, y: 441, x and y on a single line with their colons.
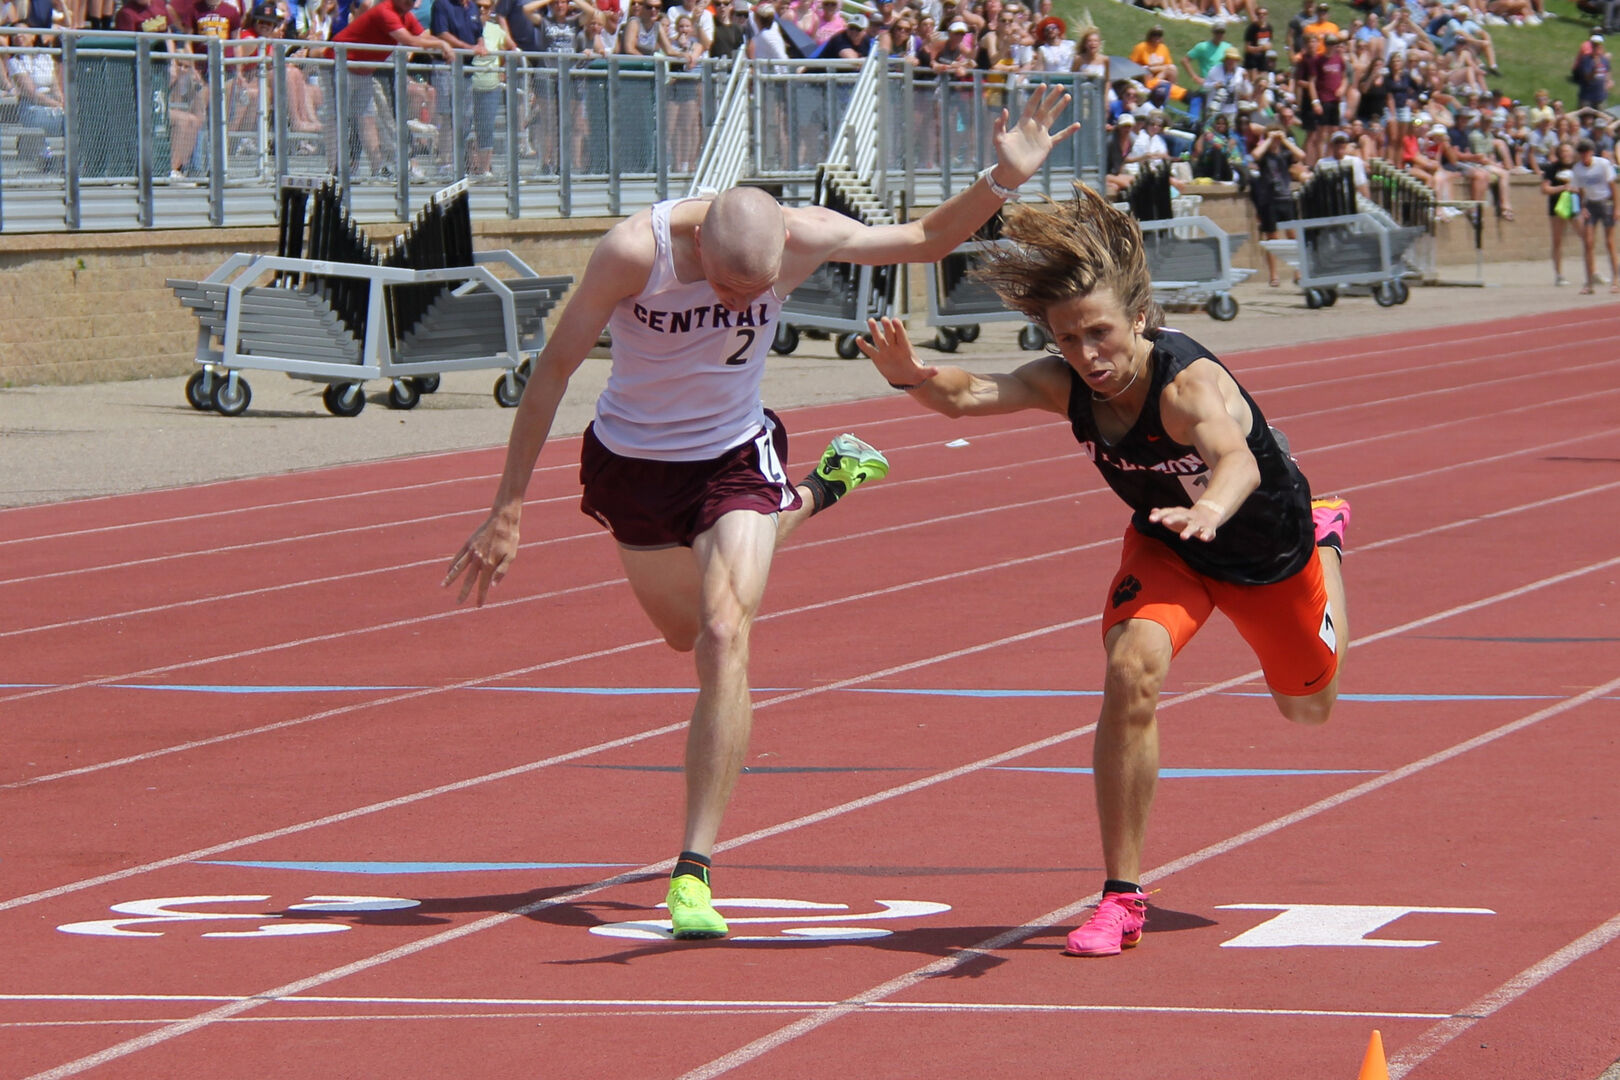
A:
x: 1071, y: 249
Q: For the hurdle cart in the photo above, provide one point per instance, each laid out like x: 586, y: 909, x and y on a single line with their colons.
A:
x: 1189, y: 256
x: 348, y: 313
x: 1344, y: 243
x: 839, y: 297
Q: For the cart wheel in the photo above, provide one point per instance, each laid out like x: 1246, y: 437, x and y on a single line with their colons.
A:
x: 786, y: 340
x: 231, y: 396
x: 525, y: 370
x: 426, y: 384
x: 404, y: 394
x: 968, y: 333
x: 198, y: 393
x: 508, y: 392
x: 847, y: 347
x: 1403, y: 291
x: 1031, y: 338
x: 1222, y: 308
x: 945, y: 339
x: 344, y: 399
x: 1313, y: 298
x: 1330, y: 297
x: 1384, y: 293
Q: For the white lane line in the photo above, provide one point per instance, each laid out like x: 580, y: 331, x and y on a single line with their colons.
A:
x: 564, y: 466
x: 428, y: 1008
x: 595, y: 533
x: 396, y: 624
x: 893, y: 986
x: 1315, y: 360
x: 886, y: 990
x: 530, y: 669
x: 1061, y: 916
x: 424, y: 692
x: 1436, y: 1038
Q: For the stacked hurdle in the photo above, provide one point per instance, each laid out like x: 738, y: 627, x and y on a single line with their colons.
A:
x: 330, y: 308
x: 1343, y: 242
x: 1403, y: 196
x: 1189, y: 258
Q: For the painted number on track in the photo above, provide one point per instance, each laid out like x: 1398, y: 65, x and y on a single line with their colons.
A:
x: 153, y: 918
x: 800, y: 920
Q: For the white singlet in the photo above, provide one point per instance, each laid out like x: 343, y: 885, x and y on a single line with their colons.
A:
x: 686, y: 370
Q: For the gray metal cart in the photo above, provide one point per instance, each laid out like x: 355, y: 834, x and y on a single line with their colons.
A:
x: 349, y: 313
x: 481, y: 321
x: 1190, y: 261
x: 1361, y: 252
x: 958, y: 304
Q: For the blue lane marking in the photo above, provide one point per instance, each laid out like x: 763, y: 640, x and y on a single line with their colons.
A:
x: 1175, y: 774
x: 409, y: 867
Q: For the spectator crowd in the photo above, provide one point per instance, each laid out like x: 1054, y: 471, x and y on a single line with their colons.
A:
x: 1406, y: 81
x: 1257, y: 102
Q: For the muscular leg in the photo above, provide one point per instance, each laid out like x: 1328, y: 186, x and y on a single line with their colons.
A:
x: 703, y: 600
x: 1317, y: 707
x: 1125, y: 756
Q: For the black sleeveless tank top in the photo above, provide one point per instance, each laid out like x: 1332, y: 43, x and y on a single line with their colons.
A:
x: 1271, y: 535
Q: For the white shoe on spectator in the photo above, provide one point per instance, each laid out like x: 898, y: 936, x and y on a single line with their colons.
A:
x: 1560, y: 280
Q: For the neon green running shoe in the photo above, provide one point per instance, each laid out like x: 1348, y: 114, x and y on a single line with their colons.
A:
x: 849, y: 462
x: 691, y: 915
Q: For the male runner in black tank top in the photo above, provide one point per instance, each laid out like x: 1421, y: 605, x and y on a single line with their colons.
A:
x: 1222, y: 517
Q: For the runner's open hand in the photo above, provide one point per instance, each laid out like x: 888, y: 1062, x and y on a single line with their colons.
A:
x: 891, y: 353
x: 486, y: 556
x: 1021, y: 149
x: 1196, y: 522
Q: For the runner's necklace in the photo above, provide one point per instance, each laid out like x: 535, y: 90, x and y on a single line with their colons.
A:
x: 1110, y: 397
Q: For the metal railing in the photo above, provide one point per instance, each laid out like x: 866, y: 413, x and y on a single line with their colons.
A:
x: 165, y: 131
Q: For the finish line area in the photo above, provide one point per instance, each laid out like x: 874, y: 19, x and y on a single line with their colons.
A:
x: 274, y: 799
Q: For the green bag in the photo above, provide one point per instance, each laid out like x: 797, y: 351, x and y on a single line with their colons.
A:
x: 1568, y: 205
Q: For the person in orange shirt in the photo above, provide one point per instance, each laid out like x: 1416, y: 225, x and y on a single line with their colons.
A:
x: 1160, y: 79
x: 1314, y: 35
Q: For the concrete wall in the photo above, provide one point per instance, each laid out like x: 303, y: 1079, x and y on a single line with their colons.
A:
x: 88, y: 307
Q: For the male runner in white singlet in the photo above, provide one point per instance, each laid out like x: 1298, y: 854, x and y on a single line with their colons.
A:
x: 683, y: 463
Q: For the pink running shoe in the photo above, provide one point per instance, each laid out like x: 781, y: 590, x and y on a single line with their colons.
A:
x: 1332, y: 520
x: 1115, y: 925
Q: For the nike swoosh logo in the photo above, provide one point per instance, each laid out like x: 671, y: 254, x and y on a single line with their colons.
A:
x: 1313, y: 682
x: 1153, y: 438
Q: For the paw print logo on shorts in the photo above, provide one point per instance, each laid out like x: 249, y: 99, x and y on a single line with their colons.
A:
x: 1127, y: 590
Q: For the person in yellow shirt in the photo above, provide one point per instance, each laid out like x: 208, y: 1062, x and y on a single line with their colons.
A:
x: 1160, y: 79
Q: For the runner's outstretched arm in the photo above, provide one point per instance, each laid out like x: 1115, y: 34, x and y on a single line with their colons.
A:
x: 488, y: 554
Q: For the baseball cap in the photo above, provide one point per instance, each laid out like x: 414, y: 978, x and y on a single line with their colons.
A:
x: 1438, y: 129
x: 957, y: 27
x: 1126, y: 119
x: 856, y: 21
x: 1339, y: 137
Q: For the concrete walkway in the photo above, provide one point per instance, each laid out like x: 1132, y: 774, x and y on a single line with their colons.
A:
x: 65, y: 442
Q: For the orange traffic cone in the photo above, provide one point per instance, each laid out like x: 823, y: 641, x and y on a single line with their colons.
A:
x: 1373, y: 1065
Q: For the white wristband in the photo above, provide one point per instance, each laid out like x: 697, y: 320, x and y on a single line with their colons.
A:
x: 1002, y: 193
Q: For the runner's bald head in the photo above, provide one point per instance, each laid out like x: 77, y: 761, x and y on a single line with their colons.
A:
x: 742, y: 237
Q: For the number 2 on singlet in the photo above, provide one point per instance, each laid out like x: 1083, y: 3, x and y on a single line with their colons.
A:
x: 746, y: 336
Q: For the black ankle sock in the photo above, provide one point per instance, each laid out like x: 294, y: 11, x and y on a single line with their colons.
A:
x: 1121, y: 886
x: 822, y: 494
x: 690, y: 862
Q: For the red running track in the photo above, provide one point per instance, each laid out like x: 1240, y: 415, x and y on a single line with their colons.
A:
x: 300, y: 816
